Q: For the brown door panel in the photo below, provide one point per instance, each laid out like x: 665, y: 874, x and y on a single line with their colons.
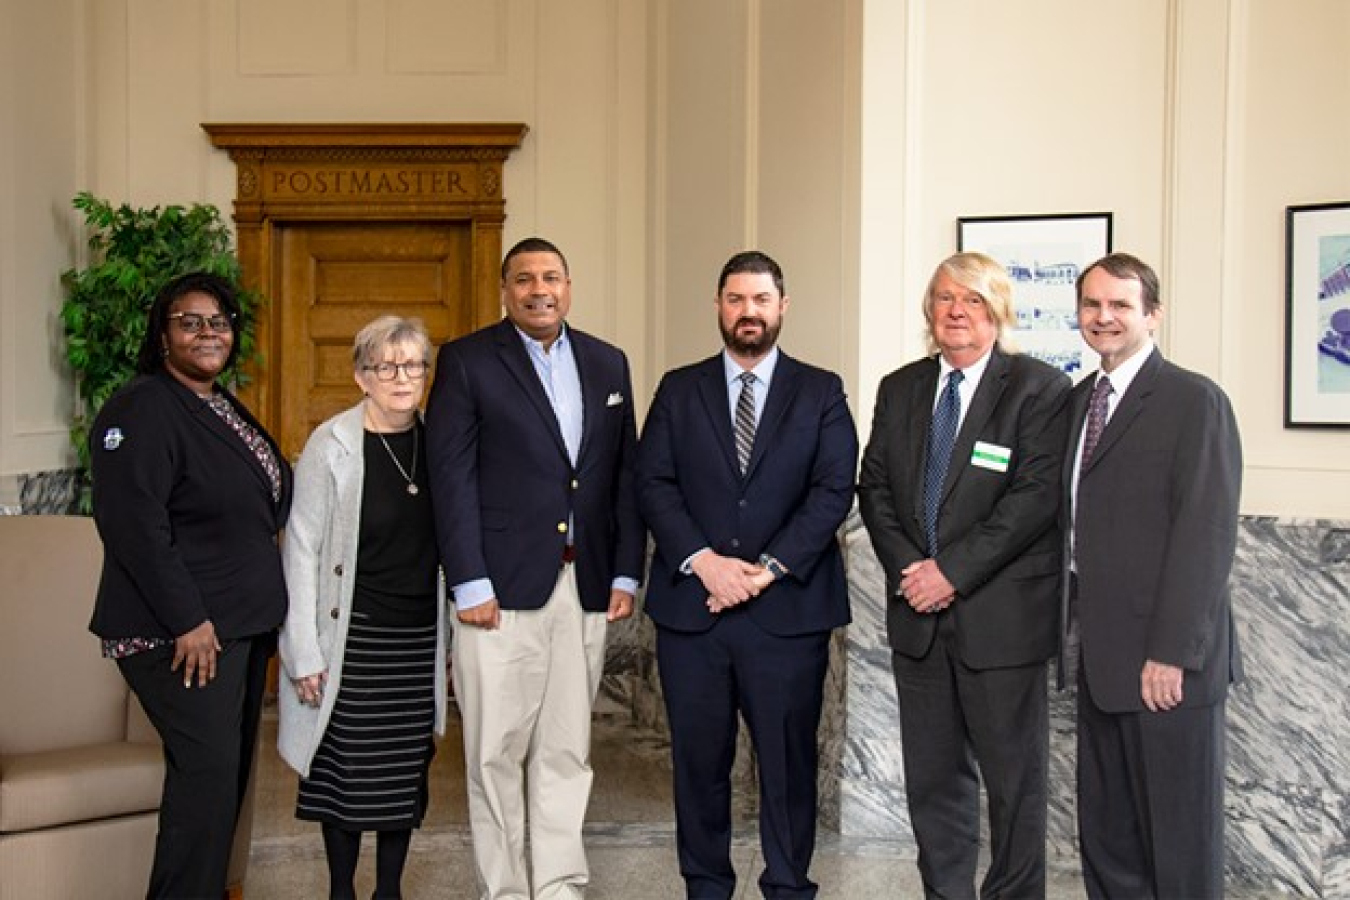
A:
x: 333, y: 279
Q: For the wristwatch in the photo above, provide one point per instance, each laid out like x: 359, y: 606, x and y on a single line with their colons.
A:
x: 774, y: 566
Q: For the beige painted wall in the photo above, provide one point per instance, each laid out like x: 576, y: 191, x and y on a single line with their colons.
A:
x: 109, y: 95
x: 756, y: 127
x: 843, y: 137
x: 40, y: 157
x: 1194, y: 122
x: 1290, y: 144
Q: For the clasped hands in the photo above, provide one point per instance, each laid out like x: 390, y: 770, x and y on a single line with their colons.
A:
x: 729, y: 581
x: 925, y: 588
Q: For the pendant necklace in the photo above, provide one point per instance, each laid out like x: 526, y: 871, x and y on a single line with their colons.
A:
x: 412, y: 488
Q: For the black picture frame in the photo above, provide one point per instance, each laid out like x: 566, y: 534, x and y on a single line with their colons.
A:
x: 1044, y: 254
x: 1317, y: 316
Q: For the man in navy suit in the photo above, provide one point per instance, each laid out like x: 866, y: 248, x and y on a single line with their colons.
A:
x: 965, y: 527
x: 745, y: 473
x: 531, y: 440
x: 1152, y: 476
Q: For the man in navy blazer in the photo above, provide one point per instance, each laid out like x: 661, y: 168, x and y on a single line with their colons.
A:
x: 1152, y: 477
x: 972, y: 589
x: 744, y: 484
x: 531, y: 440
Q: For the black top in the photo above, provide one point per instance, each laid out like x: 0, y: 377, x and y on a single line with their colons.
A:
x: 187, y: 517
x: 396, y: 560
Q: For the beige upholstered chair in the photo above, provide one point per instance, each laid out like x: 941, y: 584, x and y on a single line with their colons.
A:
x: 80, y: 767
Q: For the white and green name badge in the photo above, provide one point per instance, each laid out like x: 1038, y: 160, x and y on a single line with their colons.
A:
x: 990, y: 456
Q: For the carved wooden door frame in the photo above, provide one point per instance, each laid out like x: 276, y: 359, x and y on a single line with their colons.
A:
x: 363, y: 173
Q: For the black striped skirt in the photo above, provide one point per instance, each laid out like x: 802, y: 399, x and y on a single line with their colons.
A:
x: 370, y: 770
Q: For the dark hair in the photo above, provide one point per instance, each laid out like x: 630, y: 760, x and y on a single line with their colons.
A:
x: 751, y: 261
x: 1127, y: 267
x: 151, y: 357
x: 532, y: 245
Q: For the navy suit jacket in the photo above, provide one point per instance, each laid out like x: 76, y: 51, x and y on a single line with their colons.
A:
x: 794, y: 496
x: 1156, y: 530
x: 503, y: 487
x: 186, y: 515
x: 998, y: 534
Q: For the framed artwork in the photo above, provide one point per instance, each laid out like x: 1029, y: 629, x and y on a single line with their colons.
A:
x: 1317, y: 316
x: 1044, y: 255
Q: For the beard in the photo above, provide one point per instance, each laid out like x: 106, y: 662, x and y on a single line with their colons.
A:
x: 751, y: 346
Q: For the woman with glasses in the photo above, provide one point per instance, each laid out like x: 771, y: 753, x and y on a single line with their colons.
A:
x: 189, y: 495
x: 364, y: 644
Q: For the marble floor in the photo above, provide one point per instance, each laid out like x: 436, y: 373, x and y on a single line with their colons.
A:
x: 630, y: 835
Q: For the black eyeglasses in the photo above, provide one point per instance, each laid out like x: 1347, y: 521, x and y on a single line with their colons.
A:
x: 387, y: 371
x: 193, y: 323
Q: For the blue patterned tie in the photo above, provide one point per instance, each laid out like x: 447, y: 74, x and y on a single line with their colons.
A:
x: 940, y: 441
x: 745, y: 420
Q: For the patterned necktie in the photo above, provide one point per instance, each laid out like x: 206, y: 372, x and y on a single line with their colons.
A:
x: 1096, y: 418
x: 745, y: 420
x: 940, y: 441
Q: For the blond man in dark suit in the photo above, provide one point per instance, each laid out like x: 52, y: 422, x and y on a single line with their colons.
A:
x: 960, y: 494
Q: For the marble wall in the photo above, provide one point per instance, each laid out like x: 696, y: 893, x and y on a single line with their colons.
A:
x: 1288, y: 796
x: 1289, y: 721
x: 38, y: 494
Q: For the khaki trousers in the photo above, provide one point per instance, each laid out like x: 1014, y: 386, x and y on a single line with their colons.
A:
x: 525, y: 692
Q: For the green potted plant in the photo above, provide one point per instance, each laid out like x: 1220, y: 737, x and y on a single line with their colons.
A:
x: 132, y: 254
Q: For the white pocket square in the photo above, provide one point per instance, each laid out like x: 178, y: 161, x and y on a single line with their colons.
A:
x: 615, y: 399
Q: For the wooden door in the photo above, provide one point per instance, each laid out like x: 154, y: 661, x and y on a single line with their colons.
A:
x: 333, y: 279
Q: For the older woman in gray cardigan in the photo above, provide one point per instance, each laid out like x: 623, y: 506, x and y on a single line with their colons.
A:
x: 364, y: 644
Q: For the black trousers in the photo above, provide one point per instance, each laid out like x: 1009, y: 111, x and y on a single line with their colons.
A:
x: 959, y: 725
x: 1150, y: 801
x: 209, y: 734
x: 777, y: 684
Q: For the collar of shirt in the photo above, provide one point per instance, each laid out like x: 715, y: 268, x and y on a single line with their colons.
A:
x: 971, y: 376
x: 763, y: 377
x: 1123, y: 376
x: 557, y: 371
x: 537, y: 347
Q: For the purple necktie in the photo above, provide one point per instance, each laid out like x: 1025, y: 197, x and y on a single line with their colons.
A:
x: 1096, y: 417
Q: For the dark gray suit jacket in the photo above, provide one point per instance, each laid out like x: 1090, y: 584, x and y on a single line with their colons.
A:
x: 1155, y: 533
x: 998, y: 536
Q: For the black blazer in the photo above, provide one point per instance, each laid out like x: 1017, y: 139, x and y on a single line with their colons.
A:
x: 790, y: 503
x: 186, y: 515
x: 1155, y: 535
x: 503, y: 486
x: 998, y: 537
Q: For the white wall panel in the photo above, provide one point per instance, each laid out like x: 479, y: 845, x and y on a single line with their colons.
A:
x: 447, y: 37
x: 39, y: 167
x: 297, y: 37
